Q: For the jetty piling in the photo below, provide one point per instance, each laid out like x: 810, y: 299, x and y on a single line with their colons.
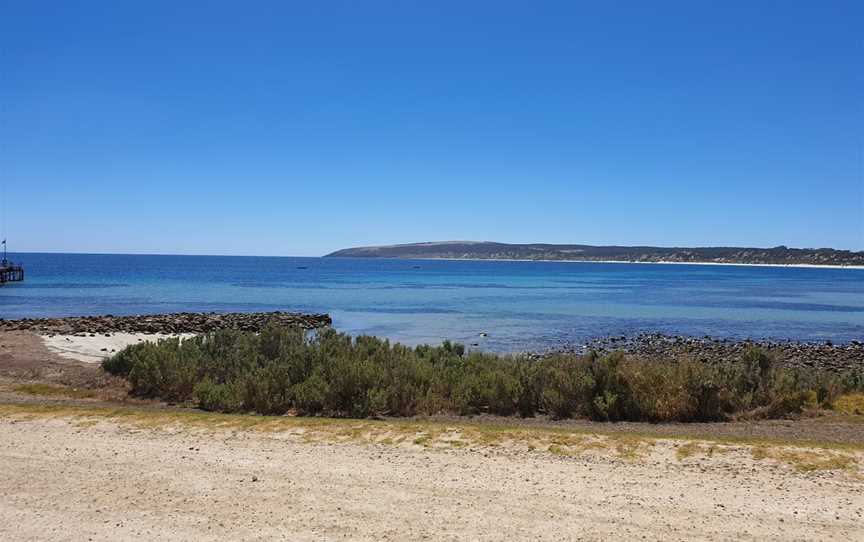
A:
x: 9, y: 271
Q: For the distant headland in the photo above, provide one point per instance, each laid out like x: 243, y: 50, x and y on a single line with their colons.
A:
x: 484, y: 250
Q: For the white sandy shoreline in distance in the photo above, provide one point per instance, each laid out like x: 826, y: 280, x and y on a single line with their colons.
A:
x: 791, y: 265
x: 94, y: 349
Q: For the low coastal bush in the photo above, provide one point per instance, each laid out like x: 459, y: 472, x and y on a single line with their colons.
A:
x: 329, y: 373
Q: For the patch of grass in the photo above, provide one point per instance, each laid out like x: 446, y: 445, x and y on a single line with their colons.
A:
x: 806, y: 460
x: 688, y: 449
x: 691, y: 449
x: 632, y: 448
x: 851, y: 404
x: 626, y: 447
x: 423, y: 440
x: 714, y: 450
x: 555, y: 449
x: 89, y: 422
x: 810, y: 461
x: 51, y: 390
x: 759, y: 453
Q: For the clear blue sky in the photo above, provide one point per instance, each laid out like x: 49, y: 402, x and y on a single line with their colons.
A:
x: 296, y: 128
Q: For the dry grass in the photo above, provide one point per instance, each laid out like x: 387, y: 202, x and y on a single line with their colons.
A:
x: 802, y: 460
x: 807, y: 460
x: 687, y: 450
x: 705, y: 449
x: 51, y: 390
x: 851, y: 404
x: 426, y: 434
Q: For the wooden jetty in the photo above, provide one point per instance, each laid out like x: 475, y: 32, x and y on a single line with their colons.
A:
x: 10, y: 272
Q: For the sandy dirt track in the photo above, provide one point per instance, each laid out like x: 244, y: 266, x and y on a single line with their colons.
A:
x: 61, y: 479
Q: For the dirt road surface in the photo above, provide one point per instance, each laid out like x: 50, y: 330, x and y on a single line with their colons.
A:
x: 64, y: 479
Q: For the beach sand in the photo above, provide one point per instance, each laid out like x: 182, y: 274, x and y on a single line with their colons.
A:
x: 65, y: 478
x: 95, y: 348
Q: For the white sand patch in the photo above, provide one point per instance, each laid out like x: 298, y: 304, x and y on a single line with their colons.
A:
x: 95, y: 349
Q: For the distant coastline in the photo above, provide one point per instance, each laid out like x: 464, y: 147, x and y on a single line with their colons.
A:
x: 788, y: 265
x: 780, y: 256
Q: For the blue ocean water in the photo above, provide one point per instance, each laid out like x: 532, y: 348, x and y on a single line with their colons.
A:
x: 521, y: 305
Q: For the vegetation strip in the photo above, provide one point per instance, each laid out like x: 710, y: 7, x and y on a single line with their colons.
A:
x: 779, y: 255
x: 52, y: 390
x: 287, y: 370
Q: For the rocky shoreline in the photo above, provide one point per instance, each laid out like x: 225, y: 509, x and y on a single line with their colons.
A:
x: 657, y: 346
x: 651, y: 346
x: 183, y: 322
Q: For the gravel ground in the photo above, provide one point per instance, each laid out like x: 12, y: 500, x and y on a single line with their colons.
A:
x: 61, y: 479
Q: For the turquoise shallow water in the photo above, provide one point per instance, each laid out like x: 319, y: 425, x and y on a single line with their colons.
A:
x: 521, y: 305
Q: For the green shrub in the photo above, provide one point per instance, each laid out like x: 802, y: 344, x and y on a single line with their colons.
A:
x: 121, y: 363
x: 330, y: 373
x: 310, y: 396
x: 567, y: 386
x: 216, y: 397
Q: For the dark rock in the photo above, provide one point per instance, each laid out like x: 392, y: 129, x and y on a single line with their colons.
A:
x: 185, y: 322
x: 658, y: 347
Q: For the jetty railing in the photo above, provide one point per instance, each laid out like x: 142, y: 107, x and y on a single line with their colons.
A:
x: 10, y: 272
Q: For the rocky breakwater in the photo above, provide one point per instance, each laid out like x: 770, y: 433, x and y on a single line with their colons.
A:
x: 656, y: 346
x: 183, y: 322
